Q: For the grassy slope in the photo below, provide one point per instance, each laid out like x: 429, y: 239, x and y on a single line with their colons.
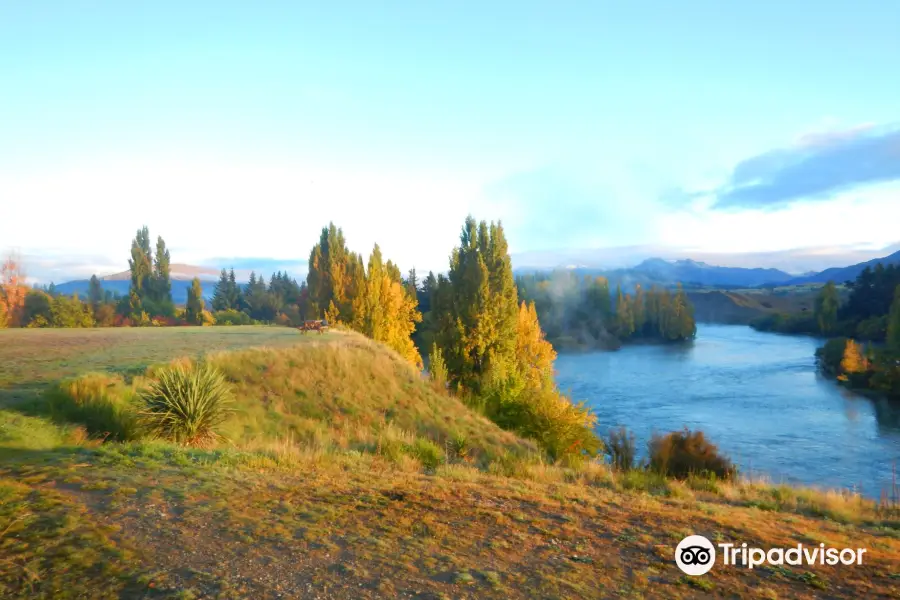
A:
x: 316, y: 516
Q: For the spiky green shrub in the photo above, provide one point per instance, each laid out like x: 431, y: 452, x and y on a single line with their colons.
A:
x: 186, y: 405
x: 458, y: 447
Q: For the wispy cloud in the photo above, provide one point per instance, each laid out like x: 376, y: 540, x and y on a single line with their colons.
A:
x: 816, y: 167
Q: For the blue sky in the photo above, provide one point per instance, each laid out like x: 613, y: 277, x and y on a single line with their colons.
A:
x: 688, y: 129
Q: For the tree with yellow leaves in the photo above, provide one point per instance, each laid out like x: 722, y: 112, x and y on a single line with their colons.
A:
x: 383, y: 311
x: 854, y: 361
x: 12, y: 291
x: 534, y: 354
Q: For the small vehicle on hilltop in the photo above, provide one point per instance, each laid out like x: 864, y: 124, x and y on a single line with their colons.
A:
x: 314, y: 325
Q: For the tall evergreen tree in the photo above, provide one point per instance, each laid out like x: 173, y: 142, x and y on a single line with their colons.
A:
x: 221, y: 296
x: 235, y: 294
x: 412, y: 283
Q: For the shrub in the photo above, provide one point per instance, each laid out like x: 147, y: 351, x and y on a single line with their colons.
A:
x: 620, y: 448
x: 544, y: 415
x: 830, y: 355
x: 231, y: 317
x: 681, y: 454
x: 186, y: 405
x: 103, y: 405
x: 458, y: 448
x: 437, y: 368
x: 427, y: 452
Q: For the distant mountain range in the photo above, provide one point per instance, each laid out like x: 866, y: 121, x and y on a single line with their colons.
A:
x: 119, y: 283
x: 121, y: 287
x: 694, y: 274
x: 177, y: 272
x: 842, y: 274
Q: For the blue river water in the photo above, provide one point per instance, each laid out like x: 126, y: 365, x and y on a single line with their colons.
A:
x: 755, y: 395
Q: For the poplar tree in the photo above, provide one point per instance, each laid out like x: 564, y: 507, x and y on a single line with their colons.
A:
x: 95, y: 292
x: 193, y: 312
x: 826, y: 310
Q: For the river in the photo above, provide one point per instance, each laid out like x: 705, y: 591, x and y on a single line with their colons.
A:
x: 756, y: 395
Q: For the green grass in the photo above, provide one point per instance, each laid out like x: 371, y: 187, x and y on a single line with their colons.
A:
x: 33, y: 359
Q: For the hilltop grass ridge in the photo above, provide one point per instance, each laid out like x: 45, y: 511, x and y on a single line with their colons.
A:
x: 345, y: 391
x: 348, y: 475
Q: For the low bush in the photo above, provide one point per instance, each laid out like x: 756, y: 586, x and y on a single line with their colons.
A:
x: 186, y: 405
x: 620, y: 449
x: 231, y: 317
x: 104, y: 405
x: 546, y: 416
x: 682, y: 454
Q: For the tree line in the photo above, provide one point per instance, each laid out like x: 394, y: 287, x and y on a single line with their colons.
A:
x: 582, y: 313
x: 864, y: 349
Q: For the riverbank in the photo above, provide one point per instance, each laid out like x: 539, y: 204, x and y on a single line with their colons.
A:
x: 758, y: 395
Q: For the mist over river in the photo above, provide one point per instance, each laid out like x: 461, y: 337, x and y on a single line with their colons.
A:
x: 756, y: 395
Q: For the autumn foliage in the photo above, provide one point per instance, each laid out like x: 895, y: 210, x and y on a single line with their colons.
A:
x: 12, y: 291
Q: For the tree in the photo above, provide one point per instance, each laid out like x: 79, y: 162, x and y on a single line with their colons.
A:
x: 854, y: 361
x: 141, y: 262
x: 95, y: 293
x: 37, y: 311
x: 534, y: 354
x: 384, y: 311
x: 161, y: 286
x: 221, y: 297
x: 193, y: 311
x: 437, y: 368
x: 624, y: 315
x: 412, y: 283
x: 477, y: 308
x: 70, y: 311
x: 12, y: 291
x: 333, y: 273
x: 893, y: 331
x: 235, y: 295
x: 826, y: 311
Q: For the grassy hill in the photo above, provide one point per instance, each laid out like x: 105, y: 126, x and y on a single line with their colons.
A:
x: 744, y: 305
x: 340, y: 480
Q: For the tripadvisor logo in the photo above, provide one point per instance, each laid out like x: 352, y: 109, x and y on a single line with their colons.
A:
x: 696, y: 555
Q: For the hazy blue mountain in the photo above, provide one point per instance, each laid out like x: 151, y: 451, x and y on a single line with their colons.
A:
x: 842, y: 274
x: 690, y: 273
x: 699, y: 273
x: 120, y: 287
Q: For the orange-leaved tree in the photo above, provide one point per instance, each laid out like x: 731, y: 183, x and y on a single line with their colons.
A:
x: 12, y: 291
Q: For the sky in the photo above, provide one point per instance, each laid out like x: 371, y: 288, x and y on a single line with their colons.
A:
x: 237, y: 130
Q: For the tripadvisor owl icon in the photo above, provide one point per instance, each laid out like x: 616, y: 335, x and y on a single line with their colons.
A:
x: 695, y: 555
